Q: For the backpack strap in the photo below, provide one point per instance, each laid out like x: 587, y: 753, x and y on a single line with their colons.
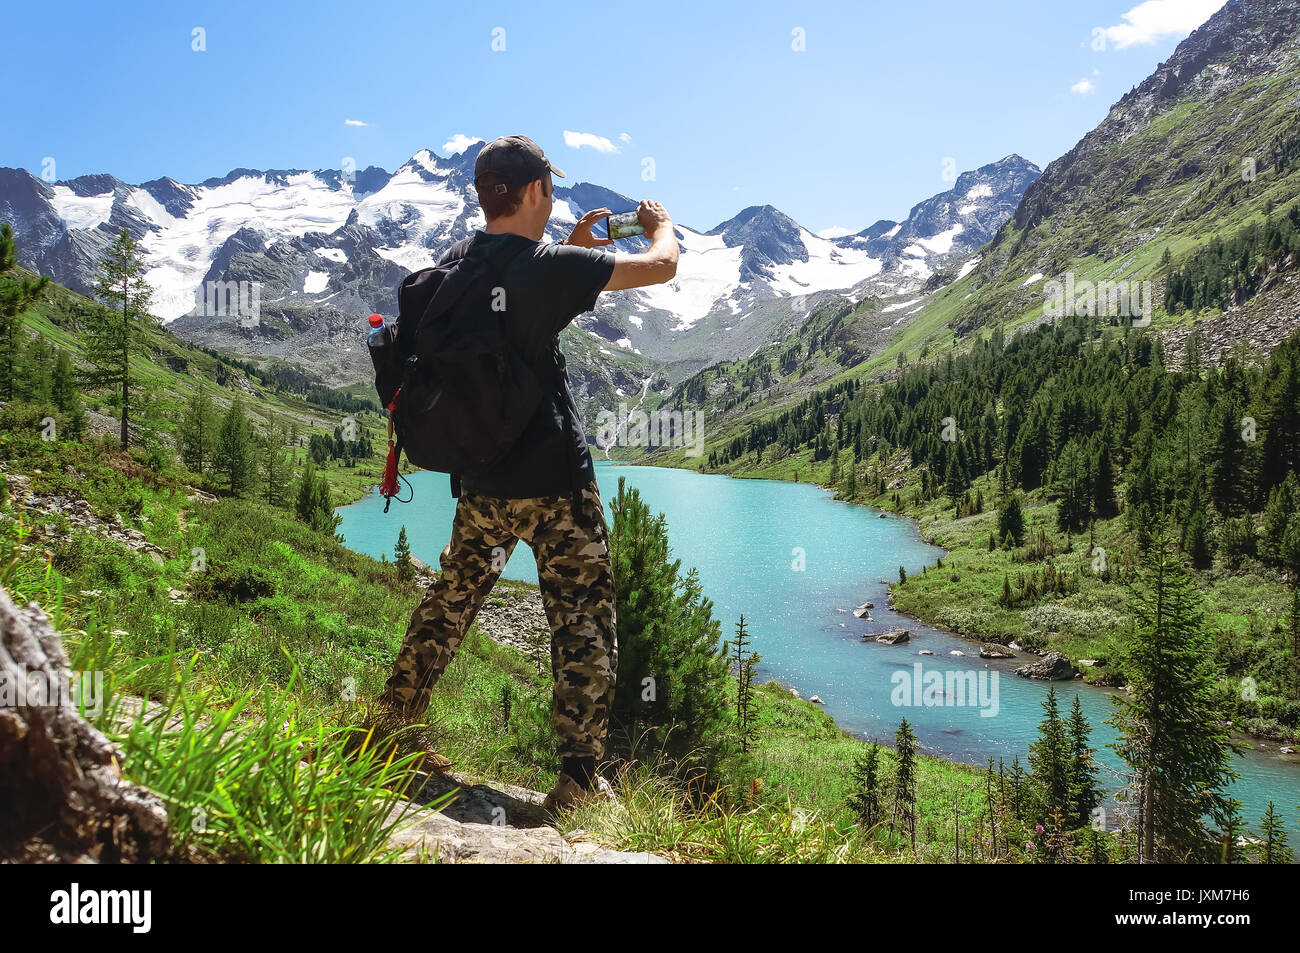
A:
x: 561, y: 380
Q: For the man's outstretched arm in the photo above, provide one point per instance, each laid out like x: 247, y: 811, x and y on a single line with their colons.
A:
x: 656, y: 264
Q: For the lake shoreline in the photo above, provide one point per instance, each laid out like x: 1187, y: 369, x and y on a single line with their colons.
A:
x: 1250, y: 739
x: 1258, y: 743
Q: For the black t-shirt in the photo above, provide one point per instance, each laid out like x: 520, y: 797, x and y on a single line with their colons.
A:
x: 546, y: 287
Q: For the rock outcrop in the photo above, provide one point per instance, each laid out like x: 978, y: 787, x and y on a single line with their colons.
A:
x: 64, y: 799
x: 501, y: 824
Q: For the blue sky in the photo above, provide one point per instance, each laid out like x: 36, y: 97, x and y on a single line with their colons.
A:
x: 854, y: 127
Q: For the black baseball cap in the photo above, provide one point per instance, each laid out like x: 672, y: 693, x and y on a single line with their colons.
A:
x: 517, y: 159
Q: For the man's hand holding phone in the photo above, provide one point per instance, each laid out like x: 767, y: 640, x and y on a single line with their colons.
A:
x: 652, y: 217
x: 581, y: 234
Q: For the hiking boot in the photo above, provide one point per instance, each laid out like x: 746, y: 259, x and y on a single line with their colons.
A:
x: 568, y: 794
x: 397, y: 733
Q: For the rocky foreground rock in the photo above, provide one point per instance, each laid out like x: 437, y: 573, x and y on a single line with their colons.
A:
x: 495, y: 824
x: 63, y: 795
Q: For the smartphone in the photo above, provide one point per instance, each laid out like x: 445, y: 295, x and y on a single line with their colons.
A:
x: 623, y: 225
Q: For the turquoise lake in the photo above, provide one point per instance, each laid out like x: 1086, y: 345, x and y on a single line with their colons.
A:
x: 748, y: 539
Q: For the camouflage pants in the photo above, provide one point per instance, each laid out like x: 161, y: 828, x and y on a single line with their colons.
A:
x: 572, y: 549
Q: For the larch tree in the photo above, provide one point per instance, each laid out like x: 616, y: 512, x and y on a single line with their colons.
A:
x: 114, y: 332
x: 1171, y: 733
x: 16, y: 296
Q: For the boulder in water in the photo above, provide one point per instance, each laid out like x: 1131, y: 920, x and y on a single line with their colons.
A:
x: 1052, y: 667
x: 993, y: 650
x: 894, y: 637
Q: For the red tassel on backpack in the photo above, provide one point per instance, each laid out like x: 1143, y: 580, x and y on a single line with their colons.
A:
x: 388, y: 485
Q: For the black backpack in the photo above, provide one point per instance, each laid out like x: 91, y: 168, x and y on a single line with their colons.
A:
x: 458, y: 393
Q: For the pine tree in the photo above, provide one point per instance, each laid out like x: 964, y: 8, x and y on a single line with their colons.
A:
x: 1019, y: 789
x: 402, y: 557
x: 1083, y: 766
x: 1232, y: 834
x: 743, y: 662
x: 63, y: 391
x: 305, y: 497
x: 16, y: 296
x: 312, y: 503
x: 1295, y: 642
x: 233, y: 455
x: 275, y: 465
x: 1011, y: 519
x: 1273, y: 849
x: 1227, y: 456
x: 865, y: 784
x: 1049, y: 763
x: 113, y: 337
x: 1281, y: 450
x: 1170, y: 731
x: 1196, y: 537
x: 1103, y: 486
x: 672, y: 675
x: 326, y: 520
x: 903, y: 816
x: 1279, y: 514
x: 197, y: 432
x: 1073, y: 488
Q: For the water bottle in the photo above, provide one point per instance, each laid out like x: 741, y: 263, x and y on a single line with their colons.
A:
x: 378, y: 336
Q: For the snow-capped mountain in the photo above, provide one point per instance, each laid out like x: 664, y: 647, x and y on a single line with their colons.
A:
x: 325, y: 249
x: 946, y: 228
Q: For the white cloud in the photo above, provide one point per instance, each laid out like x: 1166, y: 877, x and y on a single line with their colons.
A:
x: 1154, y: 20
x: 459, y: 143
x: 624, y: 137
x: 1083, y: 87
x: 576, y: 140
x: 353, y: 122
x: 835, y: 231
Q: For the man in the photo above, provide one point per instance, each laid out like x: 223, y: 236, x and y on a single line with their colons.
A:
x: 544, y: 491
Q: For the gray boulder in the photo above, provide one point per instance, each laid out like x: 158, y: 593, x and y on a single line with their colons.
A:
x: 1052, y: 667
